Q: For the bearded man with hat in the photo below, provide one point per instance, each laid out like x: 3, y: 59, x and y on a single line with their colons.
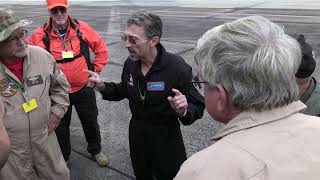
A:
x: 69, y: 40
x: 309, y: 88
x: 34, y: 95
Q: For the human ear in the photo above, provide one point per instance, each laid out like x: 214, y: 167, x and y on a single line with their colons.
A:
x: 222, y: 98
x: 155, y: 40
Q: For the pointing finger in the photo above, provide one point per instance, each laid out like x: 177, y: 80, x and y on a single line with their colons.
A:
x: 176, y: 92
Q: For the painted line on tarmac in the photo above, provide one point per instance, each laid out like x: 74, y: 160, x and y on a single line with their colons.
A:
x: 108, y: 166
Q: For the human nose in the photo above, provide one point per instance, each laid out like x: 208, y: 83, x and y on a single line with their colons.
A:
x: 127, y: 44
x: 21, y: 40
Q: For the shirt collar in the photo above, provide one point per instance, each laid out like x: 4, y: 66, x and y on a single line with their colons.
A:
x: 309, y: 91
x: 250, y: 119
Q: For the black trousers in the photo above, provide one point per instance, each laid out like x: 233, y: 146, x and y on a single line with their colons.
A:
x: 85, y: 104
x: 156, y: 150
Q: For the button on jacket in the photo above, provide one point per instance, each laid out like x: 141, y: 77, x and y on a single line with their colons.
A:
x: 31, y: 146
x: 271, y: 145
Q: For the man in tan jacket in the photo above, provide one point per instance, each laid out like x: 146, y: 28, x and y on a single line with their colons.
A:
x: 249, y: 68
x: 34, y: 93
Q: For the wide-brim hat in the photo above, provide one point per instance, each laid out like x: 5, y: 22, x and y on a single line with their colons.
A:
x: 9, y: 22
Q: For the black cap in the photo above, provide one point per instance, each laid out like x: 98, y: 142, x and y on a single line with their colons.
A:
x: 308, y: 64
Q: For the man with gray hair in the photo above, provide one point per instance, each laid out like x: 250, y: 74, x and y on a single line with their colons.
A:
x: 34, y: 94
x: 160, y: 92
x: 249, y: 66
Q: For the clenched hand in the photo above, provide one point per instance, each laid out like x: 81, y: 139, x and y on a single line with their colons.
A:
x: 179, y: 103
x: 53, y: 123
x: 95, y: 81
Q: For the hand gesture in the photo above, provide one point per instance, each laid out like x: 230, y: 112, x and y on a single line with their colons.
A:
x: 179, y: 103
x: 95, y: 81
x: 53, y: 123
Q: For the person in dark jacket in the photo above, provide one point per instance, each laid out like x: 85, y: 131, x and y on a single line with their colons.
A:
x: 160, y: 92
x: 309, y: 88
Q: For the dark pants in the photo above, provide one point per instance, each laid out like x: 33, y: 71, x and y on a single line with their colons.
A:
x: 85, y: 104
x: 156, y: 150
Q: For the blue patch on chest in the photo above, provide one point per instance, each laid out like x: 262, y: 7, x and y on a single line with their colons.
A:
x: 155, y: 86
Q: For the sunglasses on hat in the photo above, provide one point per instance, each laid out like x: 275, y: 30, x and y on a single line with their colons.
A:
x: 56, y: 9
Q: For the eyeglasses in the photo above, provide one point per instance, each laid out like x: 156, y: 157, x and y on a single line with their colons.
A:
x: 56, y: 9
x: 22, y: 35
x: 131, y: 39
x: 198, y: 83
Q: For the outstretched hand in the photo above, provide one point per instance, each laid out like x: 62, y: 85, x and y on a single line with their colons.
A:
x: 95, y: 81
x: 179, y: 103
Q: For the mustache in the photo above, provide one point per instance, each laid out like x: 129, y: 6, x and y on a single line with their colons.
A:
x: 131, y: 51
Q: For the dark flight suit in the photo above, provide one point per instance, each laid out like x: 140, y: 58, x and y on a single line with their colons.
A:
x: 156, y: 144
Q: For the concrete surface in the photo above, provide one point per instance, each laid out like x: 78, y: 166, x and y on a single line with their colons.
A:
x: 184, y: 22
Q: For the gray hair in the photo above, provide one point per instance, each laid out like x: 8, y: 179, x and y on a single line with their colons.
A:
x: 152, y: 23
x: 254, y: 60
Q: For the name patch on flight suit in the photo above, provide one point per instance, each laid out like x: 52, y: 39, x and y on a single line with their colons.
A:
x: 34, y: 80
x: 155, y: 86
x: 7, y: 88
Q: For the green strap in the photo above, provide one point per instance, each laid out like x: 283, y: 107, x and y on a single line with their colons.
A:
x: 19, y: 85
x: 142, y: 97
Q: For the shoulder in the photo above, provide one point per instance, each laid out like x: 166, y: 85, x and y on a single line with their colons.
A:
x: 37, y: 35
x: 177, y: 62
x: 84, y: 26
x: 221, y: 160
x: 38, y: 31
x: 36, y: 52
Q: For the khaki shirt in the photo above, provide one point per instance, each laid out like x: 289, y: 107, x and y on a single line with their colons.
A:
x: 31, y: 147
x: 281, y: 144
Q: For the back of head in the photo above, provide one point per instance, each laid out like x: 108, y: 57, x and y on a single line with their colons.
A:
x: 152, y: 23
x: 9, y: 22
x: 253, y: 59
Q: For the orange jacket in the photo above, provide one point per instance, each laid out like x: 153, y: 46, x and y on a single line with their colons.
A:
x: 73, y: 70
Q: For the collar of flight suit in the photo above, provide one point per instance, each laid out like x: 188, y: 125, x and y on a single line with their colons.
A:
x: 249, y: 119
x: 159, y: 63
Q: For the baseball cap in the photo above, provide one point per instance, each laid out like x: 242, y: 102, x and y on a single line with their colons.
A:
x: 55, y: 3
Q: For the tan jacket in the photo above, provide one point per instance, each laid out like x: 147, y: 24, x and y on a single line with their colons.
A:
x: 281, y: 144
x: 31, y: 147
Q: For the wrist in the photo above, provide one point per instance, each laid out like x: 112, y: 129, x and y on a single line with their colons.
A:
x: 100, y: 86
x: 184, y: 113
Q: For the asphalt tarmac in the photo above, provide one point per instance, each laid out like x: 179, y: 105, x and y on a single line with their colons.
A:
x: 183, y: 24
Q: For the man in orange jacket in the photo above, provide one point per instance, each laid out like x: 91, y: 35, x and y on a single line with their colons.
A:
x: 69, y: 40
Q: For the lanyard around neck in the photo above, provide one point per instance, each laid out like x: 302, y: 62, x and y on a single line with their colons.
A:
x: 12, y: 80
